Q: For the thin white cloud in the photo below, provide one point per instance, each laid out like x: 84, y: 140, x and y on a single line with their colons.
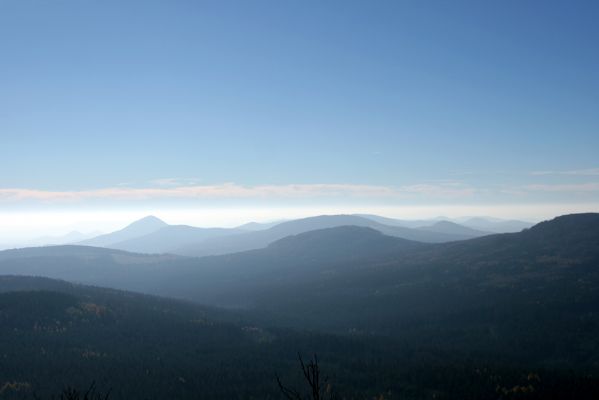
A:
x: 575, y: 172
x: 236, y: 191
x: 174, y: 182
x: 445, y: 190
x: 569, y: 188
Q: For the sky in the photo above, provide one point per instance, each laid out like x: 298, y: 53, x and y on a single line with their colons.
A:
x: 215, y: 113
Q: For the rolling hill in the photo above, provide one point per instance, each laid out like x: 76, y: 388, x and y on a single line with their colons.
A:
x: 355, y: 279
x: 57, y: 335
x: 495, y: 225
x: 469, y: 319
x: 451, y: 228
x: 480, y: 224
x: 170, y: 238
x: 261, y: 239
x: 153, y: 236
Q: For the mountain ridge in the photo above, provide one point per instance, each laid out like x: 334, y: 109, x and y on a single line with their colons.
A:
x: 261, y: 239
x: 192, y: 241
x: 349, y: 261
x: 137, y: 228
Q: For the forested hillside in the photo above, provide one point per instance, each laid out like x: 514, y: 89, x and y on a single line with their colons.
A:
x: 135, y: 346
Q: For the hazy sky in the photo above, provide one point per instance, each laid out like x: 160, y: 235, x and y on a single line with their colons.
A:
x: 227, y: 111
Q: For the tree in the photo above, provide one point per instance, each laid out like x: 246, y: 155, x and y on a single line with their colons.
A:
x: 70, y: 393
x: 319, y: 389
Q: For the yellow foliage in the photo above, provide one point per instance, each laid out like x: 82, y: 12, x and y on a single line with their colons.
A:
x: 94, y: 309
x: 14, y: 387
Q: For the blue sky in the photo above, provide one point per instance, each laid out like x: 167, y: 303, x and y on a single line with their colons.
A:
x: 278, y: 104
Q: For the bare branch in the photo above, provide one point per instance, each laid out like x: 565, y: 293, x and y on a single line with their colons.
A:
x: 289, y: 393
x: 311, y: 372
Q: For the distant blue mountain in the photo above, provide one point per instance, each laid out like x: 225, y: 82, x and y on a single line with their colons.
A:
x: 138, y: 228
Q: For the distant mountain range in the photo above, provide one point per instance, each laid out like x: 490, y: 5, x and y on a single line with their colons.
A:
x: 497, y: 226
x: 151, y: 235
x: 333, y: 267
x: 261, y: 239
x: 484, y: 224
x: 451, y: 228
x: 526, y: 299
x: 258, y: 226
x: 135, y: 230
